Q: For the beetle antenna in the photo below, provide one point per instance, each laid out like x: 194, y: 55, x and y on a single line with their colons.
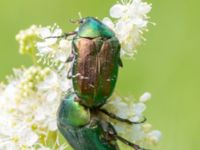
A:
x: 113, y: 116
x: 135, y: 146
x: 80, y: 16
x: 65, y: 35
x: 74, y: 21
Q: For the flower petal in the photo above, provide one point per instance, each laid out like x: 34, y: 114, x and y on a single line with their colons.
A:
x: 145, y: 97
x: 117, y: 11
x: 45, y: 32
x: 107, y: 21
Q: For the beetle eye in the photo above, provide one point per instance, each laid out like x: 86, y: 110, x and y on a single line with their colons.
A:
x: 81, y: 21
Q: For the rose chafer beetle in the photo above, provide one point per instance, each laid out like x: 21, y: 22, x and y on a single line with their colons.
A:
x: 82, y: 128
x: 96, y: 59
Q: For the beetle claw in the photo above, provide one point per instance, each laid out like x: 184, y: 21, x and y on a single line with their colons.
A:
x: 123, y: 140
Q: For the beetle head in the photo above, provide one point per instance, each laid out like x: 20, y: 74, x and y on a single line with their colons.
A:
x: 78, y: 21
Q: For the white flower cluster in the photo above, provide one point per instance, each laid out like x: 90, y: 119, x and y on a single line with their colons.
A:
x: 129, y: 21
x: 37, y: 42
x: 141, y: 134
x: 53, y: 51
x: 28, y: 106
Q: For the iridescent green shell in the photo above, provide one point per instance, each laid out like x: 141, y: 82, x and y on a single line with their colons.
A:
x: 96, y: 63
x: 72, y: 113
x: 81, y: 133
x: 92, y: 28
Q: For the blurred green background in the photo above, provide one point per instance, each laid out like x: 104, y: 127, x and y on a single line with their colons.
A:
x: 167, y: 65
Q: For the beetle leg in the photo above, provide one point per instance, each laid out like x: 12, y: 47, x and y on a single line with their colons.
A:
x: 70, y: 58
x: 123, y: 140
x: 120, y: 62
x: 69, y: 73
x: 65, y: 35
x: 111, y: 133
x: 113, y: 116
x: 76, y: 99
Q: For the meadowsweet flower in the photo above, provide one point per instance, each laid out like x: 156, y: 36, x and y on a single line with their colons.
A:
x: 36, y: 41
x: 145, y: 97
x: 27, y: 39
x: 154, y: 137
x: 45, y: 47
x: 28, y: 106
x: 53, y: 51
x: 129, y: 108
x: 129, y: 21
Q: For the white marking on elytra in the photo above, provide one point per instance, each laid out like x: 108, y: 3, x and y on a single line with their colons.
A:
x: 76, y: 75
x: 81, y: 77
x: 91, y: 85
x: 108, y: 80
x: 84, y: 78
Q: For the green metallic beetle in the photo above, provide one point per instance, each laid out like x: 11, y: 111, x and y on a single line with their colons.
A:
x: 85, y: 129
x: 96, y: 59
x: 82, y: 129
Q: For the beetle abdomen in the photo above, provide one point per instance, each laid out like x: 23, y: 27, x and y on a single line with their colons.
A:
x: 95, y: 69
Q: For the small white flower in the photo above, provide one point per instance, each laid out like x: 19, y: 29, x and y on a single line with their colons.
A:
x: 28, y: 137
x: 117, y: 11
x: 129, y: 22
x: 45, y: 46
x: 53, y: 51
x: 139, y: 108
x: 54, y: 84
x: 154, y: 136
x: 145, y: 97
x: 11, y: 90
x: 18, y: 134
